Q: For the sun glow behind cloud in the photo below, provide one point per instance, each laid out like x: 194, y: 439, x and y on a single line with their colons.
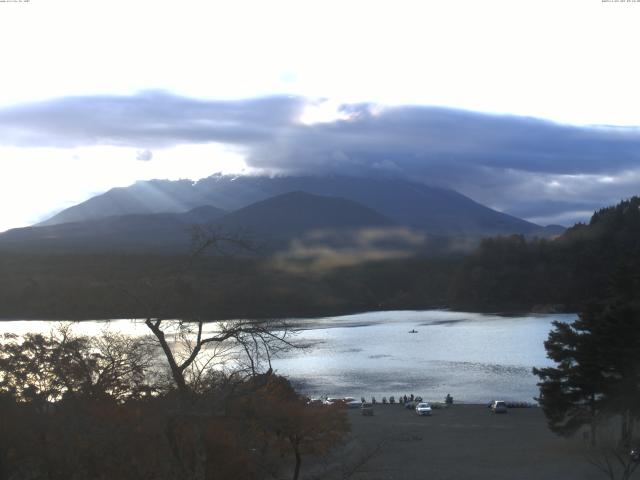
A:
x: 510, y: 163
x: 46, y: 180
x: 322, y: 111
x: 566, y: 61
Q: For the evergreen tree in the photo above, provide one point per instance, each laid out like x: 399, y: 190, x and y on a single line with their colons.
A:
x: 598, y: 363
x: 572, y: 394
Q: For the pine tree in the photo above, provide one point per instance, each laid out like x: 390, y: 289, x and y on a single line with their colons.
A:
x: 598, y: 363
x: 572, y: 394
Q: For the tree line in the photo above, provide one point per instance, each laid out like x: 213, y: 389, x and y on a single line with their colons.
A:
x: 177, y: 404
x: 507, y: 274
x: 76, y: 287
x: 191, y: 400
x: 565, y: 274
x: 594, y: 386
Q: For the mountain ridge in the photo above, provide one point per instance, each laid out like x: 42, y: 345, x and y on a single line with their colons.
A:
x: 295, y: 210
x: 275, y: 221
x: 435, y: 210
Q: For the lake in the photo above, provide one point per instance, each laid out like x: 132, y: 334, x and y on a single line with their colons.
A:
x: 475, y: 357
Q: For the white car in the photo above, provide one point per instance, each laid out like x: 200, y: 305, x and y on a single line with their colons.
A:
x: 423, y: 408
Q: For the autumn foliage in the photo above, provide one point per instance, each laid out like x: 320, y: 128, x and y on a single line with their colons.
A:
x: 94, y: 408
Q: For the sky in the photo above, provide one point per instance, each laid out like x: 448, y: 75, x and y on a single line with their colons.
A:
x: 531, y: 108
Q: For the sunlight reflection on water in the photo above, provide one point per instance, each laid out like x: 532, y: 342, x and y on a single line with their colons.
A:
x: 474, y: 357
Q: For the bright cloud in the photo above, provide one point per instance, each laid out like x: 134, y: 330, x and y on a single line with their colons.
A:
x: 524, y: 166
x: 42, y: 181
x: 99, y: 94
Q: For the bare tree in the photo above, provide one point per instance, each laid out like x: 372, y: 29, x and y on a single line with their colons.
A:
x: 616, y: 462
x: 196, y: 349
x: 194, y: 352
x: 613, y: 455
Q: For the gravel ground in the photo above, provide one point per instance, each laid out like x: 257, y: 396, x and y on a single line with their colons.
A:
x: 462, y: 442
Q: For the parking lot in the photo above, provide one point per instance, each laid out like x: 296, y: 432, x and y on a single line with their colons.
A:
x: 462, y: 442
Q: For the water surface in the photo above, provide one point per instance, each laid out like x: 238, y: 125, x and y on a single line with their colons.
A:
x: 474, y: 357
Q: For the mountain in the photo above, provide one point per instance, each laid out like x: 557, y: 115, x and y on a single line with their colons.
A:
x: 416, y: 205
x: 166, y: 232
x: 272, y: 222
x: 295, y: 213
x: 153, y: 196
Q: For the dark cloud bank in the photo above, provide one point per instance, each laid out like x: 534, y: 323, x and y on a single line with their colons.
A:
x: 528, y: 167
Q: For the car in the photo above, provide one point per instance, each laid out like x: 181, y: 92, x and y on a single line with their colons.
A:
x: 335, y: 401
x: 367, y: 409
x: 498, y: 406
x: 354, y: 404
x: 423, y: 408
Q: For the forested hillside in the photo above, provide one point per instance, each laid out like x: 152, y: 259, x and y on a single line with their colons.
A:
x: 511, y: 273
x: 504, y: 274
x: 135, y: 286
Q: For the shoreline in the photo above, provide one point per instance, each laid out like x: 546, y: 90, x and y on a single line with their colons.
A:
x: 506, y: 313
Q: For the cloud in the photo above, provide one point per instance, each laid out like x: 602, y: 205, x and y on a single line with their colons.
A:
x: 153, y: 118
x: 425, y: 140
x: 326, y: 249
x: 144, y: 155
x: 526, y: 166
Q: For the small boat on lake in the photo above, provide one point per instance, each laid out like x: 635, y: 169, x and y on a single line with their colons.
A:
x: 413, y: 331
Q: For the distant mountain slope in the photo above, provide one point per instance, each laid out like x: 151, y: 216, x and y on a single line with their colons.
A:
x: 166, y: 232
x: 276, y: 221
x: 435, y: 210
x: 154, y: 196
x: 292, y: 214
